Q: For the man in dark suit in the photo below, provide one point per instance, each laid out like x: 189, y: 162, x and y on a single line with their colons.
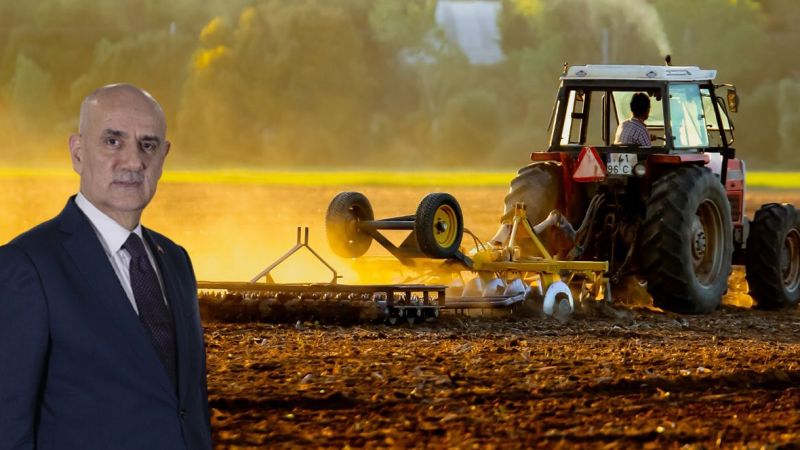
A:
x: 100, y: 339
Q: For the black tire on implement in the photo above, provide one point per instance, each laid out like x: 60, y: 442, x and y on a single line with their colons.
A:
x: 439, y: 225
x: 687, y: 241
x: 341, y: 224
x: 773, y: 256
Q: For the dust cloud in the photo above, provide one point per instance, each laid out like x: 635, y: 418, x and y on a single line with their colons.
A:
x: 233, y: 232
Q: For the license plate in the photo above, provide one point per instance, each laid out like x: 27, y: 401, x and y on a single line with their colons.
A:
x: 621, y: 163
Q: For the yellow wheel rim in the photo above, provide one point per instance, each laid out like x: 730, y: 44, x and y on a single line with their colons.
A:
x: 445, y: 226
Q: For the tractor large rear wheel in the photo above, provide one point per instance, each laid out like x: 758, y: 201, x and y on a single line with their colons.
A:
x: 686, y: 241
x: 773, y: 256
x: 540, y: 186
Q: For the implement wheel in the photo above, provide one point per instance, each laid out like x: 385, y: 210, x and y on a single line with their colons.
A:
x: 773, y: 256
x: 687, y: 241
x: 439, y: 226
x: 341, y: 224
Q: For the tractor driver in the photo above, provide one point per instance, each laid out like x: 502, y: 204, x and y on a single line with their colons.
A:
x: 633, y: 131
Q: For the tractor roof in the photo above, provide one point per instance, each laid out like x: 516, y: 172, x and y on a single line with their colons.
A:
x: 631, y: 72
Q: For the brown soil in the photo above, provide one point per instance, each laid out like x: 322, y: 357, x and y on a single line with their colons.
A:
x: 618, y: 378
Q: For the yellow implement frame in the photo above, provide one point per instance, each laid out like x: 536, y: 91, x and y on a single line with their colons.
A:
x: 546, y: 267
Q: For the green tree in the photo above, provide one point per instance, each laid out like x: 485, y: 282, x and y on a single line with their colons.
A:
x: 716, y: 34
x: 789, y: 121
x: 471, y: 126
x: 292, y: 85
x: 30, y: 91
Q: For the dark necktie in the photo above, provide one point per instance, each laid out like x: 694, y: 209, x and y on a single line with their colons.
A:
x: 153, y: 311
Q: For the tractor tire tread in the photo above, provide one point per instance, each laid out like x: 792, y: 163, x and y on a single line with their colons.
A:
x: 344, y: 207
x: 423, y: 224
x: 664, y: 257
x: 764, y: 245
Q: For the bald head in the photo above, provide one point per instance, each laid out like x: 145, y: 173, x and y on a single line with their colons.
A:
x: 119, y: 96
x: 119, y: 151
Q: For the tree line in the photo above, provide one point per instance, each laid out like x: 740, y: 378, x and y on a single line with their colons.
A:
x: 373, y: 83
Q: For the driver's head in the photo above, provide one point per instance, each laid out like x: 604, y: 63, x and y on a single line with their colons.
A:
x: 640, y: 106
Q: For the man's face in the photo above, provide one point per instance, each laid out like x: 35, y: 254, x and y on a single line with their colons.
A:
x: 120, y: 153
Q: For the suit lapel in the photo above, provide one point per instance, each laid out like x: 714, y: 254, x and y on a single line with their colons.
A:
x: 84, y: 247
x: 166, y: 265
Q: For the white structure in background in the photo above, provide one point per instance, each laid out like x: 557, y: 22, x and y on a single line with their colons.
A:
x: 473, y: 26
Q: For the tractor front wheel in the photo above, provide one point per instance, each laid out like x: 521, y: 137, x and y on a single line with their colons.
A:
x: 686, y: 241
x: 773, y: 256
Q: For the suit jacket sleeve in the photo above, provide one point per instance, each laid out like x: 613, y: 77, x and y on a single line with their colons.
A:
x: 23, y: 347
x: 204, y: 380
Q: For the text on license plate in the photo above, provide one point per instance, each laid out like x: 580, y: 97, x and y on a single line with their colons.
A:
x: 621, y: 163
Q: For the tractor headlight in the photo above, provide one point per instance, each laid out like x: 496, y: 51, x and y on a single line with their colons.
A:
x: 639, y: 170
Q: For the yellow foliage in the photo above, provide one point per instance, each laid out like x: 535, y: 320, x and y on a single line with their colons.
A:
x: 749, y: 4
x: 207, y: 57
x: 246, y: 18
x: 211, y: 31
x: 528, y: 7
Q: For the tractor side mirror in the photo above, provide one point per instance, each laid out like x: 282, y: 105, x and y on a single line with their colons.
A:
x: 733, y: 100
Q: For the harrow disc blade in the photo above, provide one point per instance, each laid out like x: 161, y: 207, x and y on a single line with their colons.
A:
x: 324, y: 303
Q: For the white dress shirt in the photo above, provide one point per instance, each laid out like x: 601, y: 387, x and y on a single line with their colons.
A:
x: 112, y: 236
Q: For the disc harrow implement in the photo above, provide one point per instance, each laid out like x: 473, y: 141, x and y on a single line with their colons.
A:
x: 262, y: 299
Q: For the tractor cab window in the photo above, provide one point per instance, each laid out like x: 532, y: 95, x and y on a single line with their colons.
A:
x: 622, y: 112
x: 591, y: 116
x: 714, y: 135
x: 622, y: 102
x: 583, y: 118
x: 687, y: 117
x: 574, y: 118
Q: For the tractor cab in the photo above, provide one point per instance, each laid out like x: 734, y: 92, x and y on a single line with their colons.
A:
x: 686, y: 114
x: 672, y: 210
x: 688, y: 124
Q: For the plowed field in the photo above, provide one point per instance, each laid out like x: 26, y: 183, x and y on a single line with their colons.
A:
x: 620, y: 378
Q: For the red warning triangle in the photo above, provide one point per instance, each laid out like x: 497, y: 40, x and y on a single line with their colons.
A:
x: 589, y: 166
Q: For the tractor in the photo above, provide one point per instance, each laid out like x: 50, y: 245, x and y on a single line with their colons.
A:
x: 672, y: 214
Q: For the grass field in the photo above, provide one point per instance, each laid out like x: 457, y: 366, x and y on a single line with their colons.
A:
x: 772, y: 180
